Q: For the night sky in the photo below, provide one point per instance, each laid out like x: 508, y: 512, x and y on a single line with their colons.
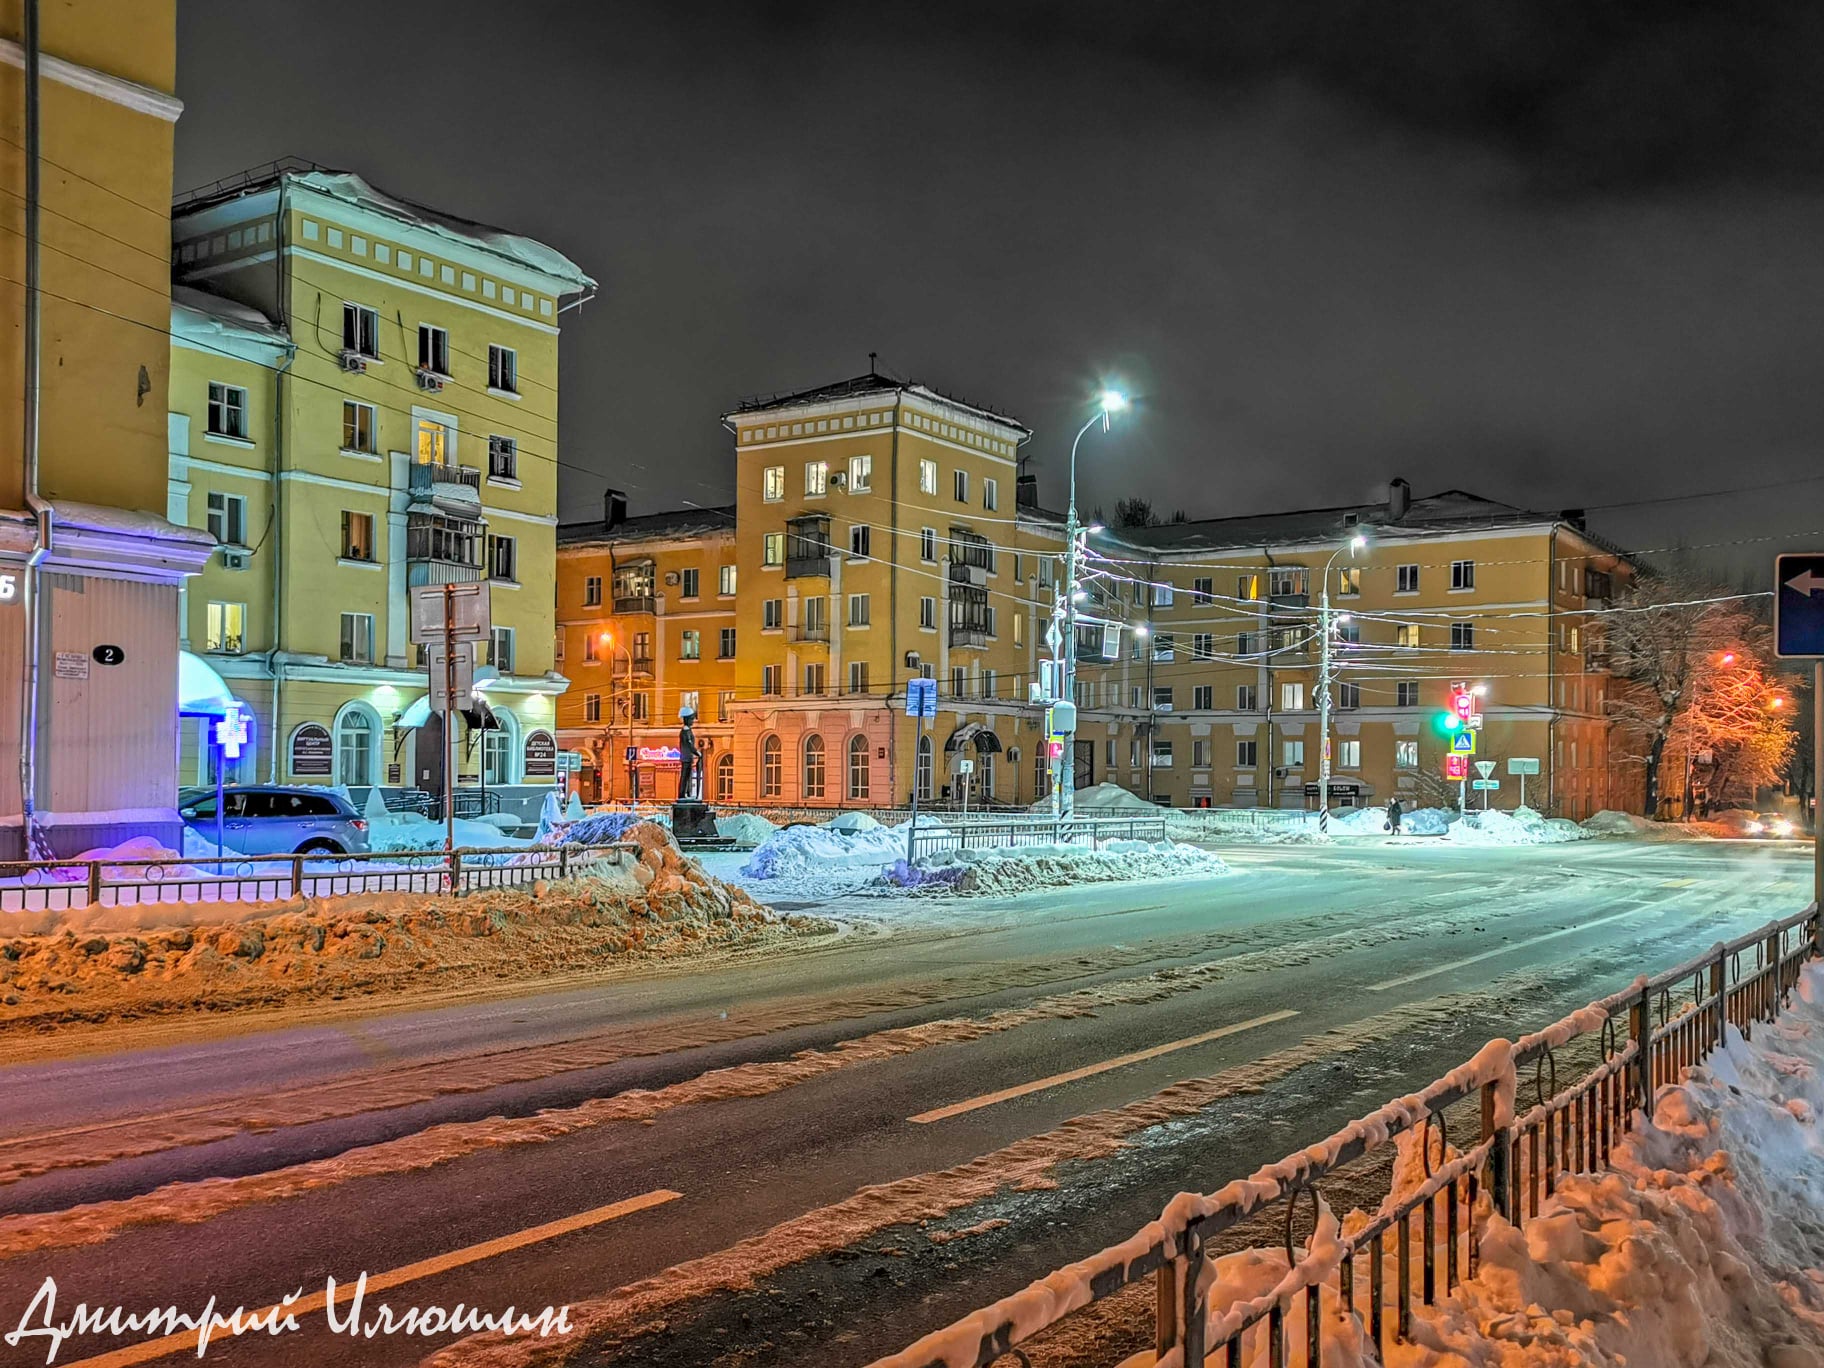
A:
x: 1560, y: 253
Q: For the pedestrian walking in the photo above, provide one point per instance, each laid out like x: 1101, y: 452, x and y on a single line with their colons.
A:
x: 1393, y: 816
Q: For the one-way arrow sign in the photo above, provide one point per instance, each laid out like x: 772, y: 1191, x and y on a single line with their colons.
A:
x: 1798, y: 606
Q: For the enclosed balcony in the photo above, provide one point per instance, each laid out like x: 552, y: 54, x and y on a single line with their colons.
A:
x: 442, y: 550
x: 634, y: 588
x: 807, y: 546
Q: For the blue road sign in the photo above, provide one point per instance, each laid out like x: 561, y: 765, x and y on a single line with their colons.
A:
x: 1463, y: 743
x: 921, y: 698
x: 1798, y: 605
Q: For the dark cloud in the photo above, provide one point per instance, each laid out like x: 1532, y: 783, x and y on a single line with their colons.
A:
x: 1560, y: 253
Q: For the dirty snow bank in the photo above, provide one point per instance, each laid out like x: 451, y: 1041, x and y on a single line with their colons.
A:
x: 800, y: 852
x: 1522, y: 826
x: 1023, y: 868
x: 1106, y: 799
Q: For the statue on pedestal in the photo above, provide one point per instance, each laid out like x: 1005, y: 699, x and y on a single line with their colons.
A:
x: 690, y: 771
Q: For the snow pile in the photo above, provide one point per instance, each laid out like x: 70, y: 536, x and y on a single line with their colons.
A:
x: 415, y: 831
x: 1023, y: 868
x: 798, y: 851
x: 602, y: 829
x: 745, y: 828
x: 1105, y: 798
x: 1522, y: 826
x: 1372, y: 821
x: 852, y: 822
x: 1608, y: 822
x: 172, y: 864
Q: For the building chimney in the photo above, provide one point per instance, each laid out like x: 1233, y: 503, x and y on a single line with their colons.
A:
x: 1399, y: 499
x: 1026, y: 491
x: 614, y: 509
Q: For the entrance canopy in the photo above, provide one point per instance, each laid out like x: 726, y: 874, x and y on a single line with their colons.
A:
x: 201, y: 691
x: 420, y: 712
x: 976, y: 734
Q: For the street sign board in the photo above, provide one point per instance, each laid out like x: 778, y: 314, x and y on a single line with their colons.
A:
x: 1522, y: 764
x: 1456, y: 767
x: 569, y: 762
x: 921, y: 698
x: 439, y: 677
x: 1485, y: 785
x: 1798, y: 605
x: 1485, y: 768
x: 1463, y: 743
x: 965, y: 766
x: 470, y: 608
x: 1473, y: 721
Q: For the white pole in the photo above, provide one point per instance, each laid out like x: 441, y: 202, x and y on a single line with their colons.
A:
x: 1323, y: 707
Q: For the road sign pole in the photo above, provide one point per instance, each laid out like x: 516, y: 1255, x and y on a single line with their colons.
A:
x: 1817, y: 769
x: 449, y: 716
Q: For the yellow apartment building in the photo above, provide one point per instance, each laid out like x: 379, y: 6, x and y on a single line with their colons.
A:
x: 363, y: 401
x: 90, y: 567
x: 647, y: 626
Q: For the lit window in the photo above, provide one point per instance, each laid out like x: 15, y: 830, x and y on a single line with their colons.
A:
x: 816, y: 478
x: 225, y: 628
x: 1406, y: 754
x: 861, y: 473
x: 357, y: 536
x: 690, y: 645
x: 725, y: 580
x: 927, y: 476
x: 772, y: 484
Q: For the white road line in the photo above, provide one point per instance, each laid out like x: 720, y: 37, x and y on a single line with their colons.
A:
x: 1415, y: 976
x: 1090, y: 1070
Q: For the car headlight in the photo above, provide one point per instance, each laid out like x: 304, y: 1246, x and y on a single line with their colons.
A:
x: 1754, y: 826
x: 1782, y: 828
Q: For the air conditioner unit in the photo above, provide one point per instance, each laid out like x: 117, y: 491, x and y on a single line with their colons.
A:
x: 672, y: 577
x: 430, y: 381
x: 353, y: 361
x: 235, y: 560
x: 838, y: 480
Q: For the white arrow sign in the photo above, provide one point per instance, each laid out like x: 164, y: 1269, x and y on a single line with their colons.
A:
x: 1806, y: 583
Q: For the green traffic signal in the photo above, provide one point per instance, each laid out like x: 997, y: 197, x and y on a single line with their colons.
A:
x: 1449, y: 722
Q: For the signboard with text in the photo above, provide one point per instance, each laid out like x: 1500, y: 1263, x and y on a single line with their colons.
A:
x: 312, y: 752
x: 1456, y: 767
x: 541, y: 755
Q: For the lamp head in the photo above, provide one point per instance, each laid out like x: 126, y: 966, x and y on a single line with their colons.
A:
x: 1113, y: 401
x: 1095, y: 529
x: 1141, y: 629
x: 1359, y: 542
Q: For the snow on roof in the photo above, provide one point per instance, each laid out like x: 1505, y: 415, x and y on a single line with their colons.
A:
x: 673, y: 523
x: 130, y: 522
x: 872, y: 383
x: 204, y: 317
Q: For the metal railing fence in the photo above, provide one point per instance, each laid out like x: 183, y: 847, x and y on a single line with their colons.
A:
x: 1647, y: 1034
x: 1091, y: 832
x: 64, y: 885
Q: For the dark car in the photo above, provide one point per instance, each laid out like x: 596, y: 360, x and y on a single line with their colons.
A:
x: 274, y: 819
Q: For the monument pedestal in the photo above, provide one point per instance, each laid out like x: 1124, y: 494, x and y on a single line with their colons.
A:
x: 692, y: 819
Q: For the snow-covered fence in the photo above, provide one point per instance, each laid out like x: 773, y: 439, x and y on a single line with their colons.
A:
x: 1091, y: 833
x: 1228, y: 821
x: 1340, y: 1281
x: 63, y: 885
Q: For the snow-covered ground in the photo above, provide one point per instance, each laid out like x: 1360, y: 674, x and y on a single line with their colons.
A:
x: 1435, y: 826
x: 1025, y: 868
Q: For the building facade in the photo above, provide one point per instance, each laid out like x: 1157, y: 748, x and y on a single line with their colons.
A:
x: 364, y: 402
x: 647, y: 627
x: 90, y: 567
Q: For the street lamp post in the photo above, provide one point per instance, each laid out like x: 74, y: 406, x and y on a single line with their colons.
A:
x: 1356, y: 543
x: 1064, y: 797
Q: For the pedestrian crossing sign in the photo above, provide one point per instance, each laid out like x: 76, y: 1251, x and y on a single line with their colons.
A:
x: 1463, y: 743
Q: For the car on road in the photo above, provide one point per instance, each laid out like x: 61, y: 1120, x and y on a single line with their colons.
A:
x: 1770, y: 826
x: 275, y: 819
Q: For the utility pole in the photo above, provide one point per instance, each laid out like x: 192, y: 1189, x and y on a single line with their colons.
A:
x: 1065, y: 805
x: 1323, y: 706
x: 449, y: 716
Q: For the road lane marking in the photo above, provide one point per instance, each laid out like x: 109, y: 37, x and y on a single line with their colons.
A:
x: 185, y: 1340
x: 1678, y: 883
x: 1090, y: 1070
x: 1418, y: 974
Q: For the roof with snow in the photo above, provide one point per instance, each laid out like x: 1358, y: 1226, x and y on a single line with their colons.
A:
x: 357, y: 192
x: 207, y: 319
x: 671, y: 525
x: 862, y: 386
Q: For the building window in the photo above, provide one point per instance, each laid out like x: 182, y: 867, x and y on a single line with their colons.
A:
x: 1203, y: 590
x: 360, y: 330
x: 1294, y: 754
x: 858, y: 540
x: 503, y: 559
x: 1247, y: 754
x: 1247, y: 587
x: 1349, y: 754
x: 433, y: 349
x: 927, y: 543
x: 1406, y: 579
x: 772, y: 680
x: 927, y: 476
x: 358, y: 638
x: 1200, y: 754
x: 592, y: 649
x: 927, y: 612
x: 1203, y: 646
x: 772, y: 484
x: 959, y: 681
x: 813, y: 766
x: 725, y: 777
x: 922, y: 769
x: 1349, y: 633
x: 861, y: 474
x: 688, y: 701
x: 690, y: 644
x: 813, y: 678
x: 1162, y: 595
x: 1463, y: 574
x: 433, y: 443
x: 1162, y: 697
x: 1406, y: 754
x: 988, y: 684
x: 358, y: 427
x: 1247, y: 643
x: 960, y: 483
x: 592, y: 707
x: 1287, y: 583
x: 816, y: 624
x: 642, y: 707
x: 1164, y: 643
x: 356, y: 737
x: 358, y: 536
x: 725, y: 581
x: 772, y: 767
x: 228, y: 519
x: 503, y: 369
x: 1247, y: 698
x: 1291, y: 697
x: 1350, y: 581
x: 1406, y: 693
x: 858, y: 676
x: 858, y: 610
x: 725, y: 704
x: 1462, y: 636
x: 688, y: 583
x: 503, y: 458
x: 858, y: 768
x: 227, y: 411
x: 990, y: 495
x: 816, y: 478
x: 1162, y: 753
x: 772, y: 549
x: 725, y: 645
x: 500, y: 649
x: 772, y: 615
x: 1406, y: 634
x: 557, y: 646
x: 592, y: 592
x: 225, y: 628
x: 1348, y: 695
x: 1203, y: 696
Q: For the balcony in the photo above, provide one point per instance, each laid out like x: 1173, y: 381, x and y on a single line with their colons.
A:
x: 810, y: 566
x: 963, y: 572
x: 1283, y: 602
x: 812, y: 632
x: 634, y: 603
x: 968, y: 638
x: 641, y: 662
x: 456, y: 489
x: 440, y: 550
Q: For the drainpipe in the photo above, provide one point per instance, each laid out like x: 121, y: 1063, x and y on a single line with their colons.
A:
x: 32, y: 840
x: 274, y: 666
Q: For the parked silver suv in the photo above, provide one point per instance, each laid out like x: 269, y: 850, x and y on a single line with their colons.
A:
x: 273, y: 819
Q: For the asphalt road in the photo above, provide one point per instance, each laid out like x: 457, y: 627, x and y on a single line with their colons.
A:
x: 559, y: 1148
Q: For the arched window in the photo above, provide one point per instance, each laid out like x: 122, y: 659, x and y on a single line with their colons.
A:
x: 725, y: 777
x: 813, y: 766
x: 772, y: 768
x: 357, y: 745
x: 858, y: 768
x: 924, y: 769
